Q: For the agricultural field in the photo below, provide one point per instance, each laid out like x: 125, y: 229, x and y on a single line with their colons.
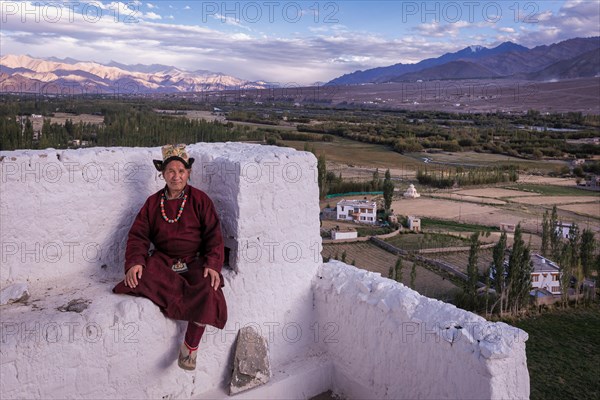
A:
x: 550, y: 200
x: 372, y: 258
x: 471, y: 158
x: 353, y: 153
x: 416, y: 242
x: 563, y: 353
x: 460, y: 259
x: 492, y: 192
x: 61, y: 118
x: 588, y: 209
x: 469, y: 199
x: 574, y: 205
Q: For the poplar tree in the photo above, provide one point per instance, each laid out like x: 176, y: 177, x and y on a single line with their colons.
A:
x: 388, y: 190
x: 398, y: 270
x: 499, y: 271
x: 322, y: 175
x: 546, y: 233
x: 375, y: 182
x: 574, y: 244
x: 588, y: 247
x: 556, y: 234
x: 519, y: 273
x: 413, y: 275
x: 472, y: 273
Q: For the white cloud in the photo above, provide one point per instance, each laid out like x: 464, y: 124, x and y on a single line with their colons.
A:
x: 436, y: 29
x: 576, y: 18
x: 150, y: 5
x: 151, y: 15
x: 229, y: 20
x: 187, y: 8
x: 320, y: 54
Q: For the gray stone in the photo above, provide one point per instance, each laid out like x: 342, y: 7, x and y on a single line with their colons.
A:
x: 14, y: 293
x: 77, y: 305
x: 251, y: 366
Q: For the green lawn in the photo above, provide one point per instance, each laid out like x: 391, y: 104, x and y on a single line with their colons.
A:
x: 412, y: 242
x: 431, y: 223
x: 563, y: 353
x: 550, y: 190
x: 348, y: 151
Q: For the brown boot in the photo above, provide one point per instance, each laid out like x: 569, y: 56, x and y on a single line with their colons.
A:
x: 187, y: 358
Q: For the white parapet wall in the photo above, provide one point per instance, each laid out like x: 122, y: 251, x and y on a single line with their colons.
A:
x: 64, y: 218
x: 65, y: 215
x: 386, y: 341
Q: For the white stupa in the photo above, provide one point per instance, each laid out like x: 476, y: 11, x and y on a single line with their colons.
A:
x: 411, y: 192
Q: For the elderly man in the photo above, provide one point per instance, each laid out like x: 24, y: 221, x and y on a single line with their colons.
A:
x: 183, y: 273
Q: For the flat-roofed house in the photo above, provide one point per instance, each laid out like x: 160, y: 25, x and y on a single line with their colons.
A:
x: 362, y: 211
x: 545, y: 274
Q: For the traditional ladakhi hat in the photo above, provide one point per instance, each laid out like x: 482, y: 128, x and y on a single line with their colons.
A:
x: 173, y: 152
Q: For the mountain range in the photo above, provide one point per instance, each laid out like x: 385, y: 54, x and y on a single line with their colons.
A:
x: 573, y: 58
x: 19, y: 73
x: 570, y: 59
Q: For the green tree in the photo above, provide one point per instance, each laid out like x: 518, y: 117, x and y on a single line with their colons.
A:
x: 574, y: 244
x: 555, y: 236
x: 519, y: 273
x: 413, y: 275
x: 472, y: 272
x: 388, y: 190
x: 322, y: 175
x: 546, y: 233
x: 375, y: 182
x: 588, y: 247
x: 499, y: 271
x: 343, y: 259
x: 398, y: 270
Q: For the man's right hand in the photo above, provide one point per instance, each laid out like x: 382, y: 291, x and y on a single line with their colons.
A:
x: 133, y: 274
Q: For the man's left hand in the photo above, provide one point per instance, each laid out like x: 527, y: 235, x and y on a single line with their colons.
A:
x: 215, y: 279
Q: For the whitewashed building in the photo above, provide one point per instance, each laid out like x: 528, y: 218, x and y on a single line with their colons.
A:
x: 362, y: 211
x: 344, y: 233
x: 563, y: 229
x: 414, y: 224
x: 545, y: 274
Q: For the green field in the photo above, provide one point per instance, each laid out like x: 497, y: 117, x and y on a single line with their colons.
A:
x: 550, y: 190
x: 563, y: 353
x: 414, y: 242
x: 346, y: 151
x: 431, y: 223
x: 472, y: 158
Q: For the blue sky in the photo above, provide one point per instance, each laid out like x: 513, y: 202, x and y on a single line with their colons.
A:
x: 286, y: 42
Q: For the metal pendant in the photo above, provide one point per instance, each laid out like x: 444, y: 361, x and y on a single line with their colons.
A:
x: 179, y: 267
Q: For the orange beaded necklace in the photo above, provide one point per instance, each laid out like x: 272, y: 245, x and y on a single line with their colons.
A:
x: 164, y: 214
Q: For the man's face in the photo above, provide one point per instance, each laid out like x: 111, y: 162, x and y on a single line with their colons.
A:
x: 176, y: 175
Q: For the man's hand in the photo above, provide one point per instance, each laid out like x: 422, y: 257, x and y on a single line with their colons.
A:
x: 133, y: 274
x: 215, y: 280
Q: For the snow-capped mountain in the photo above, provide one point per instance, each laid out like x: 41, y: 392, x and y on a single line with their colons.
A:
x: 22, y: 73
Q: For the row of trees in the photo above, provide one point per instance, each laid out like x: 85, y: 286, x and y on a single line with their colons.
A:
x: 507, y: 281
x: 510, y: 278
x: 396, y: 272
x: 127, y: 127
x: 448, y: 177
x: 576, y: 254
x: 330, y: 183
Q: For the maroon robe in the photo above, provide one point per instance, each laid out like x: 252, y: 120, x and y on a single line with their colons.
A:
x: 196, y: 240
